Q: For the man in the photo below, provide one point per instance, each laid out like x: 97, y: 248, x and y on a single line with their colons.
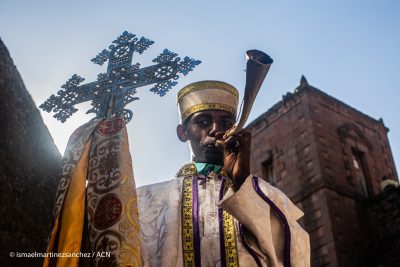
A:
x: 215, y: 213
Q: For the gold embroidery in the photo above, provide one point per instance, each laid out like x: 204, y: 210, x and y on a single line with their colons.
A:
x: 187, y: 169
x: 208, y: 106
x: 231, y: 254
x: 187, y: 223
x: 207, y: 85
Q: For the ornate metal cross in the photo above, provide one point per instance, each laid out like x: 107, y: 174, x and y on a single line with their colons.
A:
x: 114, y: 89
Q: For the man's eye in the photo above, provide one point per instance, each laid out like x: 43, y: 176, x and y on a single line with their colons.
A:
x: 202, y: 123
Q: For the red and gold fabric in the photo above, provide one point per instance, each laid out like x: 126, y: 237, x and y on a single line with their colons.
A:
x: 97, y: 152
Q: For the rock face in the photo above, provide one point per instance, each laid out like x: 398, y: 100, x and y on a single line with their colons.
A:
x: 29, y: 169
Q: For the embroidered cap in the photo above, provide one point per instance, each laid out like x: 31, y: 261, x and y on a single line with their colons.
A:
x: 207, y: 95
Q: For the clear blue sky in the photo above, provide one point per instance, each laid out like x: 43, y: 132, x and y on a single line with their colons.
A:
x: 349, y: 49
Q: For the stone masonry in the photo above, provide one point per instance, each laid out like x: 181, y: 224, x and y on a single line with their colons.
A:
x: 329, y: 159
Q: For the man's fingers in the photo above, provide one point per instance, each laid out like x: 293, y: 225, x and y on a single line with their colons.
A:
x: 235, y: 140
x: 219, y: 135
x: 219, y: 143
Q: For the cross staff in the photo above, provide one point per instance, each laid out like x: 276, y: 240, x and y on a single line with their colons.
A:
x: 114, y: 89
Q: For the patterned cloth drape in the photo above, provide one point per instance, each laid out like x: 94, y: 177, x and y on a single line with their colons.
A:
x: 97, y: 153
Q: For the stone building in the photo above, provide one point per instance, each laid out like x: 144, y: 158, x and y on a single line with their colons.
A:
x: 329, y: 159
x: 29, y: 168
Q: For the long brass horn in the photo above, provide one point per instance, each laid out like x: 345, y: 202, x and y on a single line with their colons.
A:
x: 258, y: 64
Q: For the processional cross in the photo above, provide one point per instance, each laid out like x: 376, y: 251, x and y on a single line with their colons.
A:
x: 116, y: 88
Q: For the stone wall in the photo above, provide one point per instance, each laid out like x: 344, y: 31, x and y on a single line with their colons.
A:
x: 285, y: 136
x: 382, y: 220
x: 29, y: 168
x: 310, y: 138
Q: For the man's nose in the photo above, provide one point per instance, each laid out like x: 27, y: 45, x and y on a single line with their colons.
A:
x: 215, y: 128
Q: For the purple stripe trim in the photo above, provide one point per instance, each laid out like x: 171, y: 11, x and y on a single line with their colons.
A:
x: 286, y: 255
x: 195, y: 215
x: 221, y: 226
x: 249, y: 249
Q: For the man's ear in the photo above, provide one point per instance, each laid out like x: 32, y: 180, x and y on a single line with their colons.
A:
x: 181, y: 132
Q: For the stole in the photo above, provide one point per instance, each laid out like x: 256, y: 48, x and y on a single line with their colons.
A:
x: 190, y: 226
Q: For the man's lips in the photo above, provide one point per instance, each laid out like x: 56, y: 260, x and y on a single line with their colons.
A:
x: 212, y: 148
x: 210, y: 144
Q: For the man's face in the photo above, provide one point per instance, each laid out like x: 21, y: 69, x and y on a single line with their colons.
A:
x: 200, y: 129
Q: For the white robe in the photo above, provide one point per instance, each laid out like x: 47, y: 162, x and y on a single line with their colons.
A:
x: 160, y: 222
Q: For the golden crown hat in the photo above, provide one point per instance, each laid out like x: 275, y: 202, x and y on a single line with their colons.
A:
x: 207, y: 95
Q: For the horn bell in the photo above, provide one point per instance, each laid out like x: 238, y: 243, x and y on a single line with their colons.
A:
x: 258, y: 64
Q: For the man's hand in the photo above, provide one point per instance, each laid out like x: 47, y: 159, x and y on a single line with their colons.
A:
x: 237, y: 150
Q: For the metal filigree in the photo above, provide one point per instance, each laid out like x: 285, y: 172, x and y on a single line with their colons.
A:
x: 114, y: 89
